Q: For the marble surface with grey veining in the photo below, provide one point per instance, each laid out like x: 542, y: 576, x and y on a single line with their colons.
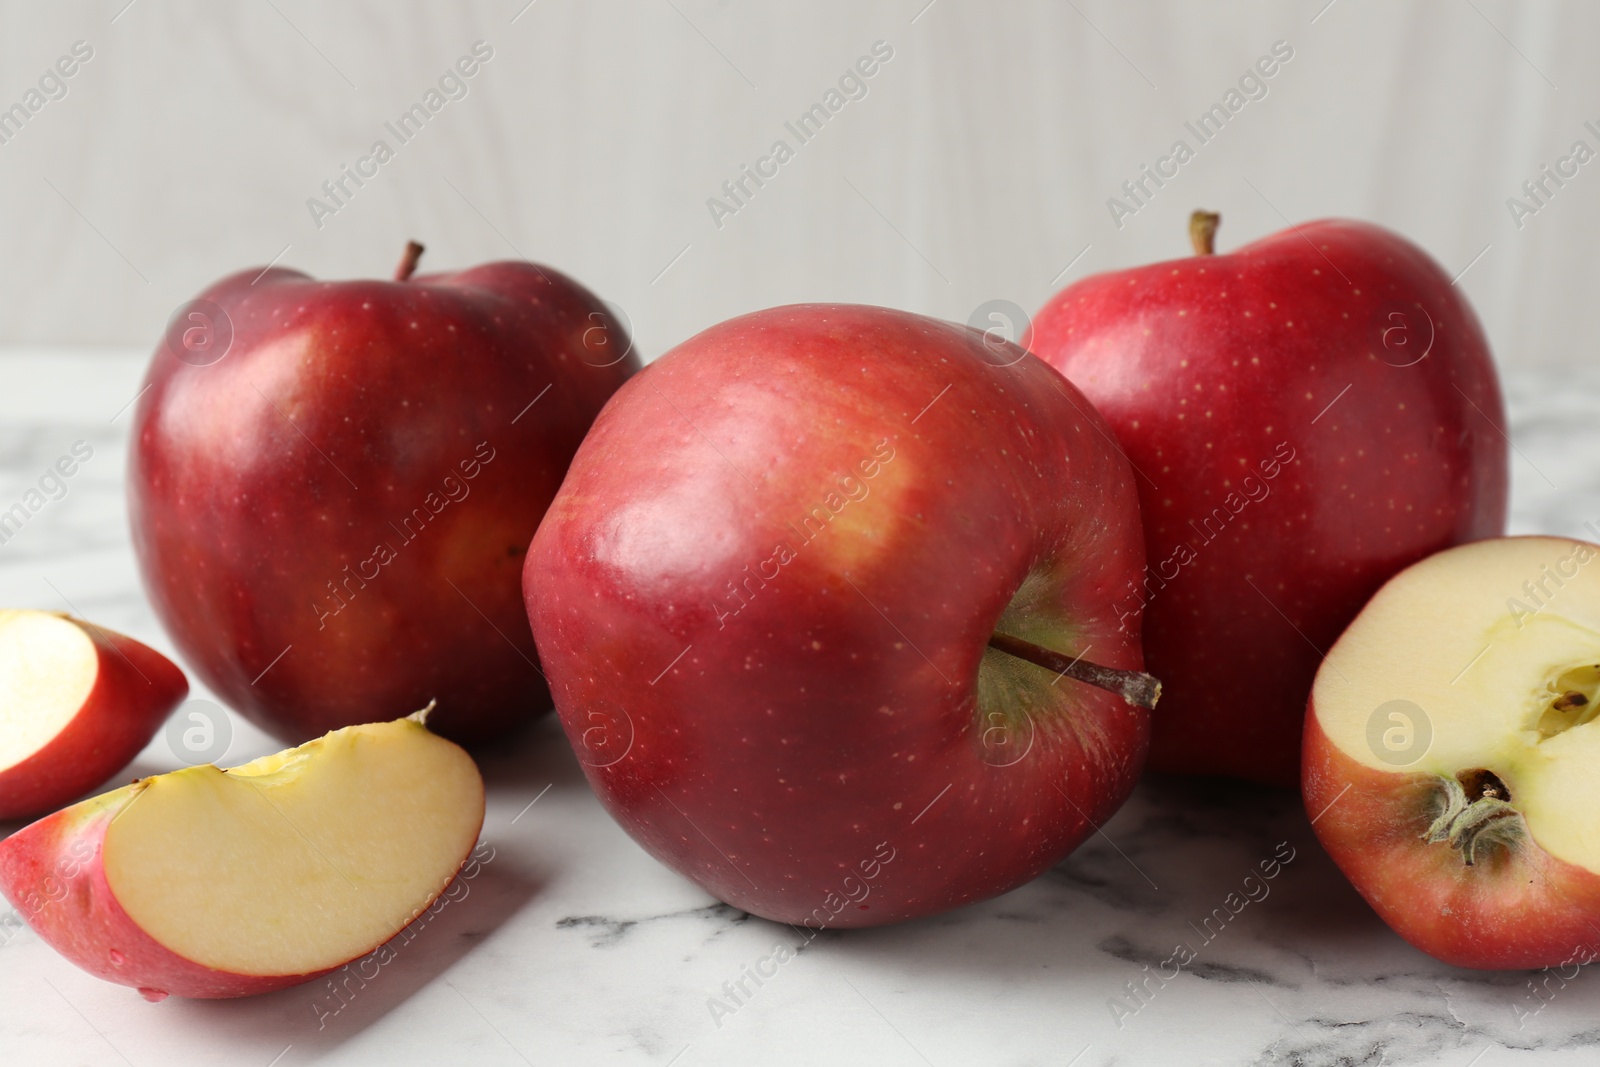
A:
x: 571, y: 945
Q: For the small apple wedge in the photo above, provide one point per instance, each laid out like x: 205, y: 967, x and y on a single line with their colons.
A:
x: 77, y: 703
x: 1451, y: 752
x: 222, y: 883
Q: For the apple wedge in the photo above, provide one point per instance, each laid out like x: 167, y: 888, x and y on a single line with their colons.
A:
x: 1450, y: 753
x: 77, y: 703
x: 222, y: 883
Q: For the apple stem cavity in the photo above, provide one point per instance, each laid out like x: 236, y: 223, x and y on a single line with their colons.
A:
x: 1203, y: 232
x: 1135, y: 687
x: 1476, y: 810
x: 408, y: 261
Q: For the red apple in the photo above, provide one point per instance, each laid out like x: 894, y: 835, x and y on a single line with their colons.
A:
x: 77, y: 703
x: 333, y: 485
x: 211, y: 883
x: 1450, y: 752
x: 771, y: 597
x: 1307, y: 416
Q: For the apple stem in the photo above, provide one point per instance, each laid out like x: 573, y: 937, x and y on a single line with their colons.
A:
x: 408, y: 261
x: 1135, y: 687
x: 1203, y: 232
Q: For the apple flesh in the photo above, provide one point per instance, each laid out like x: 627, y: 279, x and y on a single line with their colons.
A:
x: 766, y: 596
x: 77, y: 703
x: 222, y: 883
x: 331, y: 516
x: 1450, y: 752
x: 1307, y: 415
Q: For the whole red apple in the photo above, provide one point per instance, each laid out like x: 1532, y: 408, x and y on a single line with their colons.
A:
x: 1307, y: 416
x: 333, y: 486
x: 1450, y: 752
x: 769, y: 598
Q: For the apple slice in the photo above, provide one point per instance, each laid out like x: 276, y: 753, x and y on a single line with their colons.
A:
x: 77, y: 703
x: 1451, y: 751
x: 214, y: 883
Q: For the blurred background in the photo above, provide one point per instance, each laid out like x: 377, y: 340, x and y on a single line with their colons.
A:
x: 976, y: 162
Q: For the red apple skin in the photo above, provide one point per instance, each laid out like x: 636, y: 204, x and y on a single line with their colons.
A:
x: 1409, y: 461
x: 1522, y: 909
x: 811, y: 760
x: 52, y: 873
x: 135, y: 689
x: 339, y: 411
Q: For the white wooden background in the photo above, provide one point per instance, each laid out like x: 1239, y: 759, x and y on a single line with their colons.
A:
x: 977, y: 166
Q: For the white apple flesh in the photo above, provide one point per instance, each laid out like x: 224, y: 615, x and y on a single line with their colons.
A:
x: 214, y: 883
x: 1450, y: 757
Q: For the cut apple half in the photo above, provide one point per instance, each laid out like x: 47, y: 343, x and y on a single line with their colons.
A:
x: 220, y: 883
x: 77, y: 703
x: 1451, y: 753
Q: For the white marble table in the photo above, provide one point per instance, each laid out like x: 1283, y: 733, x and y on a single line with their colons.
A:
x: 574, y: 946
